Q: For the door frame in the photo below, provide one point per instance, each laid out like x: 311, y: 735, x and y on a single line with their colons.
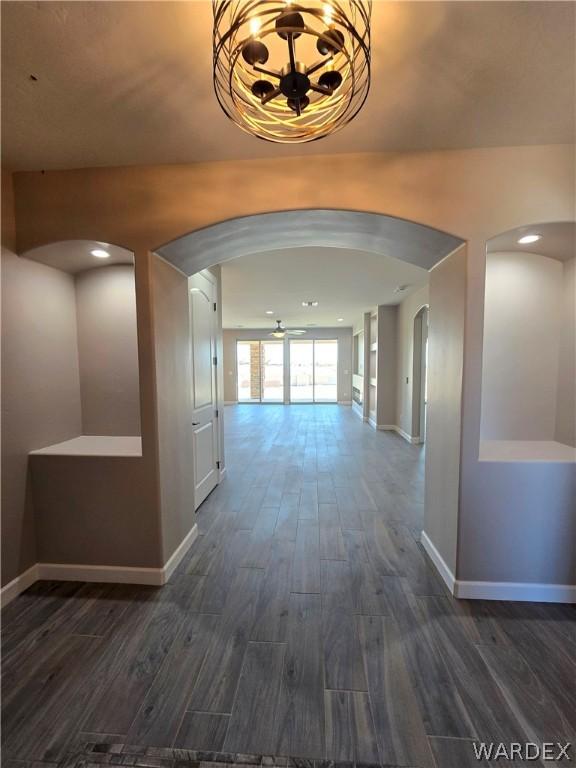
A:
x: 419, y: 373
x: 216, y: 365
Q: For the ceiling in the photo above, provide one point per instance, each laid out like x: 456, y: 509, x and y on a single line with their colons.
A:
x: 345, y: 283
x: 74, y: 256
x: 557, y: 240
x: 123, y: 83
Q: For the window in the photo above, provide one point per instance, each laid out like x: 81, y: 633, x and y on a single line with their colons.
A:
x: 313, y: 370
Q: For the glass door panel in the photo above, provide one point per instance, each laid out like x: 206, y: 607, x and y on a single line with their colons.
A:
x: 325, y: 370
x: 301, y: 371
x: 248, y: 371
x: 272, y: 363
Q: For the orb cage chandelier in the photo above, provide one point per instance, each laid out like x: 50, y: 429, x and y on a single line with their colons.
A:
x: 291, y: 72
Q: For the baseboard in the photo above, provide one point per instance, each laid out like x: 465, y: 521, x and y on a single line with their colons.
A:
x: 372, y: 423
x: 109, y: 574
x: 344, y: 402
x: 114, y: 574
x: 507, y: 591
x: 407, y: 437
x: 176, y: 557
x: 386, y: 427
x: 18, y: 585
x: 230, y: 402
x: 222, y: 474
x: 438, y: 561
x: 512, y: 591
x: 358, y: 410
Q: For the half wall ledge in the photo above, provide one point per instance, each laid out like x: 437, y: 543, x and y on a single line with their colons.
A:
x: 526, y: 451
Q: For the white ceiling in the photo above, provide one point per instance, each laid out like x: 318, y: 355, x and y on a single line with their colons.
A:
x: 121, y: 83
x: 74, y: 256
x: 557, y: 240
x: 345, y: 283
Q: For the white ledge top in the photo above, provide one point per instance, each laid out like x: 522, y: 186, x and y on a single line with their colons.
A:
x: 94, y: 445
x: 526, y: 451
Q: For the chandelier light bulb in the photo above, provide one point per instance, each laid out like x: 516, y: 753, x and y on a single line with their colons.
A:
x: 255, y: 25
x: 291, y: 72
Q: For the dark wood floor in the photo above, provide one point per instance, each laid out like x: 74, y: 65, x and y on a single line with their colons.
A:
x: 305, y: 621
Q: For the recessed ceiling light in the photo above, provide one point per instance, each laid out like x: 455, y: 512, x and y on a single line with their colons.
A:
x: 100, y: 253
x: 309, y: 303
x: 340, y: 319
x: 269, y: 311
x: 527, y: 239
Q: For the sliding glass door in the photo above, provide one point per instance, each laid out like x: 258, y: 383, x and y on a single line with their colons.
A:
x: 313, y: 370
x: 301, y: 371
x: 325, y: 371
x: 272, y: 357
x: 260, y: 371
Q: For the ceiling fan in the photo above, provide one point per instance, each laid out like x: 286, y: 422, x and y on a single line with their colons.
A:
x: 279, y: 332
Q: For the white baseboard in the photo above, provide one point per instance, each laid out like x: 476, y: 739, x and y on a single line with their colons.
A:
x: 114, y: 574
x: 176, y: 557
x: 358, y: 410
x: 372, y: 423
x: 497, y: 590
x: 407, y: 437
x: 344, y: 402
x: 439, y: 562
x: 18, y: 585
x: 230, y: 402
x: 386, y: 427
x: 512, y: 591
x: 222, y: 474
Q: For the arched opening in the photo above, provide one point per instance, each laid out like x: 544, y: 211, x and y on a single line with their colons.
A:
x: 91, y: 484
x: 333, y: 239
x: 528, y: 397
x: 419, y: 375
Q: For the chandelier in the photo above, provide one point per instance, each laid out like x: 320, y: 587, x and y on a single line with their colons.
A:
x: 291, y: 72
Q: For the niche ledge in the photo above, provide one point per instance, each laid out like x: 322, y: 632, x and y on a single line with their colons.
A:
x: 94, y: 445
x: 526, y: 451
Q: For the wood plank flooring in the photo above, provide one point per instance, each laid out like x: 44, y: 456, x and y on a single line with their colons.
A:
x: 305, y: 621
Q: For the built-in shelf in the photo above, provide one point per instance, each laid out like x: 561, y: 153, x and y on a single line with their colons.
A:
x: 526, y: 451
x: 94, y: 445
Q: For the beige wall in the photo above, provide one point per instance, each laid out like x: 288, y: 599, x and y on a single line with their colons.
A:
x: 344, y: 336
x: 474, y: 194
x: 108, y: 351
x: 447, y: 293
x: 407, y: 311
x: 565, y: 431
x: 173, y: 382
x: 522, y: 323
x: 40, y: 385
x: 386, y: 376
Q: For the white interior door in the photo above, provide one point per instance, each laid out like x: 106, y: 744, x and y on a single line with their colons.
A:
x: 204, y: 413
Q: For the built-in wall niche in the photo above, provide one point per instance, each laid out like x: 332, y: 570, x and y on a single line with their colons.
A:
x: 104, y: 369
x: 529, y: 375
x: 358, y: 369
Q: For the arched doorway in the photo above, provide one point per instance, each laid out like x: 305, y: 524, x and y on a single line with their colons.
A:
x: 419, y: 375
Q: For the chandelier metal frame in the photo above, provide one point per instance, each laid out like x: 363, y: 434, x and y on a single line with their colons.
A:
x: 298, y: 101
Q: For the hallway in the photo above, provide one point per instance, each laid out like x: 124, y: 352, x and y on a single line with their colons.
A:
x: 305, y: 621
